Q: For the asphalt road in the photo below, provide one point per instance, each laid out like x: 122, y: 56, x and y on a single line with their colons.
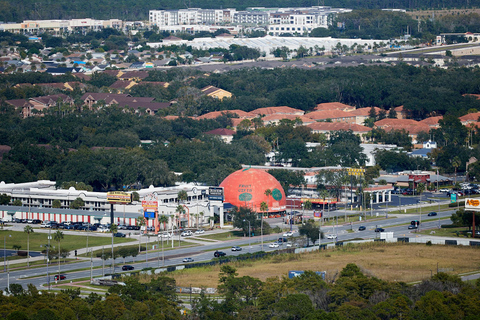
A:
x: 38, y: 276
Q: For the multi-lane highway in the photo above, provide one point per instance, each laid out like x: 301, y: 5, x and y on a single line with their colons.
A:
x: 204, y: 252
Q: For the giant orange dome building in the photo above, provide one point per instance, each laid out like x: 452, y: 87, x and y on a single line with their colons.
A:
x: 246, y: 188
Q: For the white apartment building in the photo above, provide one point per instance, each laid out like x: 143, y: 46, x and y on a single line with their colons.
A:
x: 60, y: 26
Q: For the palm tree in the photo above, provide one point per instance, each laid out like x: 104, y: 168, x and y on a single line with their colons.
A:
x: 202, y: 215
x: 180, y: 210
x: 28, y: 230
x: 163, y: 219
x: 58, y: 236
x: 456, y: 162
x: 263, y: 208
x: 113, y: 230
x: 268, y: 193
x: 182, y: 197
x: 420, y: 189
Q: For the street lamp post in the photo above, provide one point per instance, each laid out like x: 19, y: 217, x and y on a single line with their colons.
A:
x: 249, y: 245
x: 48, y: 258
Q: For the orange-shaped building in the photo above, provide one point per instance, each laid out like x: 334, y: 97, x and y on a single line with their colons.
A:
x: 246, y: 188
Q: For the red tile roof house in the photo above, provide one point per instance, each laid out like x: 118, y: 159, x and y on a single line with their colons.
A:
x: 328, y: 127
x: 363, y: 113
x: 469, y: 118
x: 432, y: 122
x: 333, y: 106
x: 278, y: 110
x: 412, y: 127
x: 333, y: 115
x: 236, y: 113
x: 225, y: 134
x: 126, y: 101
x: 274, y: 119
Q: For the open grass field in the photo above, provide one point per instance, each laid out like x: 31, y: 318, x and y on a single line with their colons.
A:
x: 392, y: 262
x: 69, y: 242
x: 461, y: 232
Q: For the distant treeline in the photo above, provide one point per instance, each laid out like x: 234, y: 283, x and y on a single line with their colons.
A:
x: 16, y: 11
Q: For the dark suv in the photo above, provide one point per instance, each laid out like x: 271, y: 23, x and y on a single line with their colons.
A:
x: 217, y: 254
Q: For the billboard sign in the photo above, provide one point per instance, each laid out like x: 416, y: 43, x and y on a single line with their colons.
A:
x: 150, y: 205
x: 453, y: 198
x: 119, y: 197
x: 472, y: 204
x: 215, y: 194
x: 149, y: 215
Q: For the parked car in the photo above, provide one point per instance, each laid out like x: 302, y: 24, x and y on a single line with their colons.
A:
x: 379, y: 230
x: 102, y: 229
x: 236, y: 248
x: 166, y: 235
x: 30, y: 221
x: 122, y: 227
x: 331, y: 236
x: 217, y: 254
x: 274, y: 245
x: 362, y: 228
x: 444, y: 190
x: 431, y: 214
x: 45, y: 224
x: 188, y: 260
x: 187, y: 233
x: 127, y: 267
x: 62, y: 277
x: 200, y: 231
x: 119, y: 235
x: 36, y: 221
x: 288, y: 234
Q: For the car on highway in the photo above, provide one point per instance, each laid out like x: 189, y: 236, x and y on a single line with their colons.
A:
x: 362, y: 228
x: 274, y: 245
x: 200, y: 231
x: 188, y: 260
x: 444, y: 190
x: 331, y: 236
x: 119, y: 235
x: 379, y: 230
x: 288, y: 234
x: 62, y: 277
x: 127, y: 267
x: 217, y: 254
x: 236, y: 248
x: 412, y: 226
x: 431, y: 214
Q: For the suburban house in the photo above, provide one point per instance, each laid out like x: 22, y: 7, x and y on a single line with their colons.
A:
x: 139, y: 104
x: 470, y: 118
x: 424, y: 152
x: 225, y: 134
x: 401, y: 112
x: 121, y: 85
x: 216, y: 93
x: 278, y: 110
x: 333, y: 116
x: 38, y: 104
x: 363, y: 113
x: 412, y: 127
x: 432, y: 122
x: 327, y: 127
x: 274, y: 119
x: 235, y: 113
x: 333, y: 106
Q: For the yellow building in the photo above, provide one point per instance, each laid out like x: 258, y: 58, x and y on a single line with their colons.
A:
x: 216, y: 93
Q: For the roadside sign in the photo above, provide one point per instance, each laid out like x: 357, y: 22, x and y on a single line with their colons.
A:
x: 453, y: 198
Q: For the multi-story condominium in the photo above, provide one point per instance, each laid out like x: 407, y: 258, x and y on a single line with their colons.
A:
x: 277, y: 20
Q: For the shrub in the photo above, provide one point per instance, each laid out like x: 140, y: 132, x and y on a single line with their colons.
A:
x: 429, y: 243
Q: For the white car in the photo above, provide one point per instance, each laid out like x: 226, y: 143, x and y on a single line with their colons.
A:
x: 102, y: 229
x: 331, y: 236
x: 166, y: 235
x: 201, y: 231
x: 444, y: 190
x: 187, y: 233
x: 288, y: 234
x: 273, y: 245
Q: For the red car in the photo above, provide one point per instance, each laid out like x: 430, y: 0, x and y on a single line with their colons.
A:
x: 62, y: 277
